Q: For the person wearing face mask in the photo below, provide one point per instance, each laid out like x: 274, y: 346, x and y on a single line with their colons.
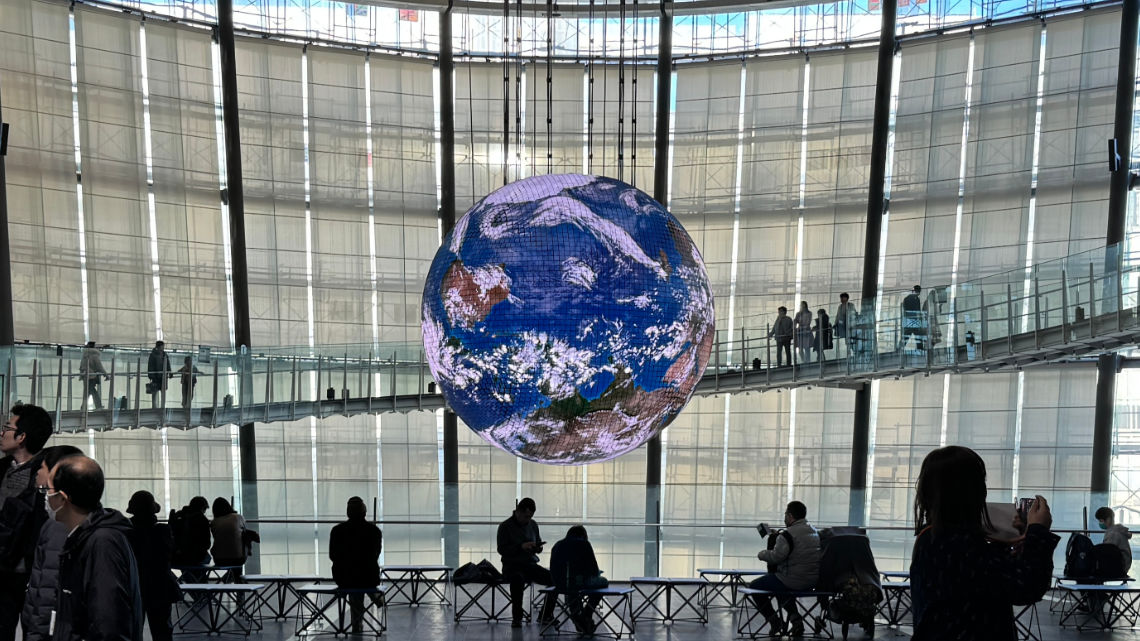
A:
x: 44, y: 578
x: 98, y: 597
x: 1115, y: 534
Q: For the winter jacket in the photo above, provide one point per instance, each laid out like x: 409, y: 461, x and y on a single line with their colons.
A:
x: 91, y: 364
x: 153, y: 547
x: 191, y: 531
x: 228, y: 548
x: 963, y: 586
x: 510, y: 538
x: 848, y: 556
x: 797, y: 568
x: 158, y: 368
x: 354, y: 547
x: 21, y: 513
x: 573, y: 565
x: 782, y: 330
x: 1118, y: 535
x: 43, y: 583
x: 98, y: 598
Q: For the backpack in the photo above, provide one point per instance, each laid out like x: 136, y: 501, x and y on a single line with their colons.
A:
x: 1109, y: 563
x: 854, y: 602
x: 772, y: 567
x: 481, y: 572
x: 1079, y: 559
x: 178, y: 525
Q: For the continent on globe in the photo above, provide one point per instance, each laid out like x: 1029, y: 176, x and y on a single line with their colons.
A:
x: 568, y: 318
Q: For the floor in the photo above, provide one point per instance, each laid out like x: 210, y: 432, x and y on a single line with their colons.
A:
x: 435, y: 622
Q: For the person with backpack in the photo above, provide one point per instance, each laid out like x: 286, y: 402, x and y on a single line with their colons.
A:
x: 793, y: 557
x: 963, y: 584
x: 21, y: 507
x: 1117, y: 536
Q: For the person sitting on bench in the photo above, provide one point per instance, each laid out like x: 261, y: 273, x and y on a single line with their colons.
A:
x: 795, y: 554
x: 354, y: 547
x: 574, y: 568
x: 519, y: 545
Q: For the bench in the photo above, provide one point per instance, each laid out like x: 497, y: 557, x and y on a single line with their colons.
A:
x: 411, y: 584
x: 896, y: 603
x: 1091, y: 600
x: 279, y: 597
x: 722, y: 581
x: 612, y: 618
x: 215, y: 605
x: 309, y: 624
x: 812, y: 607
x: 652, y: 588
x: 208, y: 573
x: 469, y: 596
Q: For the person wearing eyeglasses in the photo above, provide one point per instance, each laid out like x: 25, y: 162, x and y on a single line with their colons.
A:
x: 21, y: 439
x: 43, y: 581
x: 99, y: 597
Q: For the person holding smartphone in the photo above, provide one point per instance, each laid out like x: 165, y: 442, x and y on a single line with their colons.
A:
x: 963, y: 584
x: 519, y: 545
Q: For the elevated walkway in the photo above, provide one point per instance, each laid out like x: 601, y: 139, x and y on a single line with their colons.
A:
x: 1055, y: 312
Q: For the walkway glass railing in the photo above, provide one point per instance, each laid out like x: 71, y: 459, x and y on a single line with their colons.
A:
x: 1083, y: 303
x: 205, y: 386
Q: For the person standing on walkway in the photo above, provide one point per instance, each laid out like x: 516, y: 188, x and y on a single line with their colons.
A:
x: 844, y: 320
x: 782, y: 332
x: 92, y: 371
x: 913, y: 323
x: 822, y: 341
x: 803, y: 334
x: 158, y: 371
x: 189, y: 375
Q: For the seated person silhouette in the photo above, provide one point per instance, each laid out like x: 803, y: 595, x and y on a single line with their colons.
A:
x: 574, y: 568
x: 354, y: 547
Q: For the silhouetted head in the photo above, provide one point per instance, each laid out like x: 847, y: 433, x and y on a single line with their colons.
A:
x: 951, y: 491
x: 356, y: 508
x: 577, y: 532
x: 221, y: 507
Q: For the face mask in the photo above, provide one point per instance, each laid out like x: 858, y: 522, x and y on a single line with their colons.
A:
x: 1101, y: 525
x: 47, y: 507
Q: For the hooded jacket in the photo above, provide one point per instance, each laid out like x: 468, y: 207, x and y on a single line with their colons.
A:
x: 43, y: 583
x: 798, y: 567
x: 1118, y: 535
x: 510, y: 539
x: 98, y: 598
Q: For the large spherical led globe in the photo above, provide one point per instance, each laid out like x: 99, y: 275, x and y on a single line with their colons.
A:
x: 567, y: 318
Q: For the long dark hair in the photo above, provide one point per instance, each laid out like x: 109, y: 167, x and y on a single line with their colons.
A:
x: 221, y: 507
x: 951, y: 492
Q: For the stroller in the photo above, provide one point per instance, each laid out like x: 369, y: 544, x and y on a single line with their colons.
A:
x: 847, y: 568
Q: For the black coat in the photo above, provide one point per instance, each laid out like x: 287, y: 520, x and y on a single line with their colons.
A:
x: 354, y: 547
x: 21, y: 518
x: 964, y: 586
x: 191, y: 532
x: 43, y: 583
x: 573, y: 564
x: 510, y: 538
x: 153, y: 548
x: 99, y: 598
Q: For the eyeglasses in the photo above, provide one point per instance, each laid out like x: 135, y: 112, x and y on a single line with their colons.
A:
x: 8, y: 428
x: 43, y: 489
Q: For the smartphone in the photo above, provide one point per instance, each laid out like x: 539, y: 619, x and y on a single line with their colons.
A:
x: 1023, y: 506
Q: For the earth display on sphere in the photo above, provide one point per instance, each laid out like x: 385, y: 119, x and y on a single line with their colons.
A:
x: 567, y: 318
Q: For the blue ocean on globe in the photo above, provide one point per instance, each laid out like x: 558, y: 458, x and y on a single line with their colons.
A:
x: 567, y: 318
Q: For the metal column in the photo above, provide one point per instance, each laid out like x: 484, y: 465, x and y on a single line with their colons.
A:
x: 661, y: 194
x: 235, y: 199
x: 7, y: 323
x: 447, y: 219
x: 876, y: 207
x: 1109, y: 364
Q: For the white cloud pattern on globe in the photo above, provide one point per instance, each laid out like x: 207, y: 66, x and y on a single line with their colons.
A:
x: 568, y: 318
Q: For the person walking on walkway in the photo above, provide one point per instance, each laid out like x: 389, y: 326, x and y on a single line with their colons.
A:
x: 844, y: 320
x: 158, y: 371
x: 92, y: 371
